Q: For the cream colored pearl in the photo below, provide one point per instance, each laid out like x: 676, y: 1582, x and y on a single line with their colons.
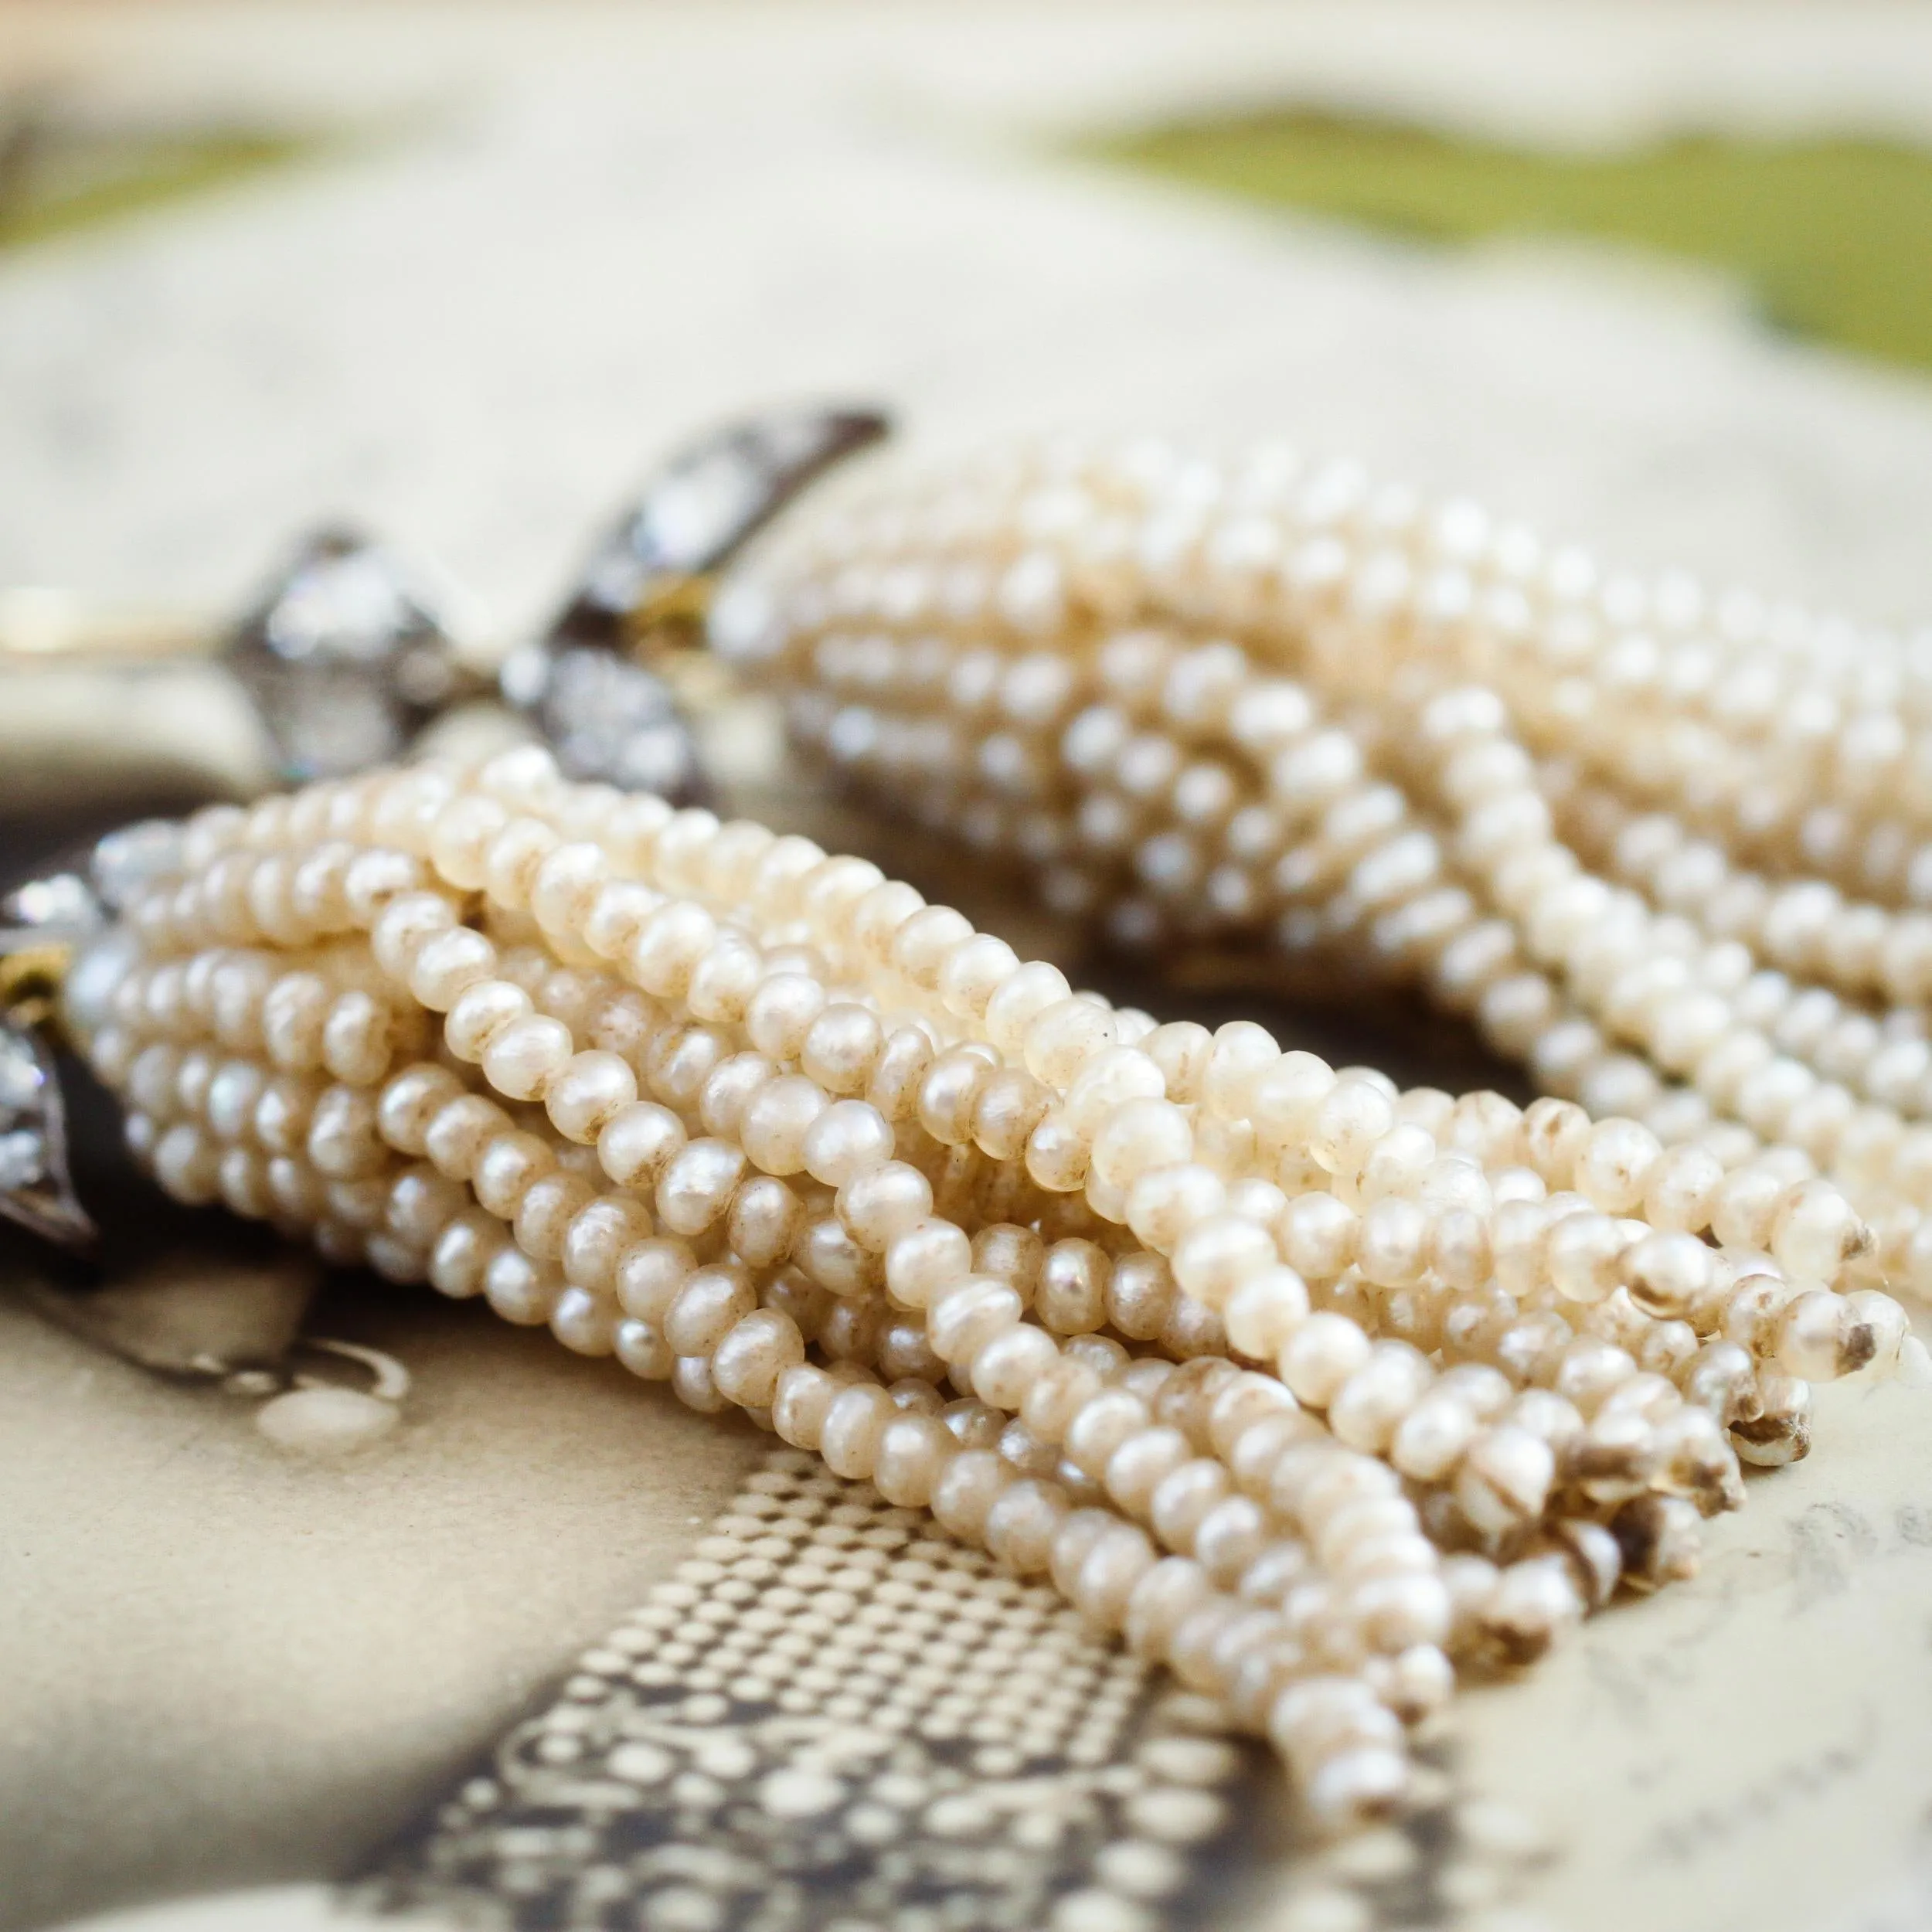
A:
x: 585, y: 1093
x: 343, y: 1141
x: 585, y: 1323
x: 462, y: 1251
x: 925, y: 1259
x: 776, y: 1121
x: 1021, y: 998
x: 848, y: 1140
x: 638, y: 1143
x: 507, y: 1166
x: 781, y: 1013
x: 545, y: 1213
x: 969, y: 1314
x: 1140, y: 1136
x: 973, y: 971
x: 1004, y: 1368
x: 598, y: 1236
x: 523, y: 1056
x: 1218, y: 1255
x: 1320, y: 1356
x: 295, y: 1011
x: 696, y: 1185
x: 650, y: 1272
x: 707, y: 1306
x: 408, y: 923
x: 480, y: 1014
x: 855, y: 1422
x: 519, y: 1290
x: 913, y: 1454
x: 842, y: 1048
x: 753, y: 1356
x: 447, y: 964
x: 882, y: 1201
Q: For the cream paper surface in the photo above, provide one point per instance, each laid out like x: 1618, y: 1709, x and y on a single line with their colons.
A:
x: 225, y: 1669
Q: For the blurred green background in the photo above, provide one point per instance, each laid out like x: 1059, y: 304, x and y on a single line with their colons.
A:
x: 1830, y: 237
x: 58, y: 173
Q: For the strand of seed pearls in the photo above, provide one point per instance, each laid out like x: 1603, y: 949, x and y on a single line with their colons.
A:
x: 1267, y: 698
x: 875, y: 1133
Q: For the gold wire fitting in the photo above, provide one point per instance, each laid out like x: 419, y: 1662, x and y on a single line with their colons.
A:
x: 31, y: 976
x: 42, y: 626
x: 671, y: 613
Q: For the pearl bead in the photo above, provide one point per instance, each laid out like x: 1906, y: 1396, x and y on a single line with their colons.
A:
x: 781, y: 1013
x: 753, y: 1356
x: 968, y: 1315
x: 708, y: 1304
x: 1023, y: 998
x: 926, y: 1260
x: 586, y: 1093
x: 584, y: 1323
x: 1320, y: 1356
x: 638, y: 1143
x: 696, y: 1185
x: 776, y: 1121
x: 480, y: 1014
x: 847, y: 1140
x: 764, y: 1222
x: 523, y: 1056
x: 913, y: 1454
x: 1004, y: 1368
x: 973, y: 971
x: 519, y: 1290
x: 598, y: 1236
x: 408, y: 923
x: 842, y: 1048
x: 855, y: 1422
x: 447, y: 964
x: 965, y: 1490
x: 507, y: 1166
x: 883, y: 1202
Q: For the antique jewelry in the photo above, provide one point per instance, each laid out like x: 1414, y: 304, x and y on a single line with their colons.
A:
x: 345, y: 658
x: 1305, y: 1386
x: 1668, y: 849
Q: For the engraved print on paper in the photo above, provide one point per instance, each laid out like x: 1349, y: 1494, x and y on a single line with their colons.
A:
x: 834, y: 1718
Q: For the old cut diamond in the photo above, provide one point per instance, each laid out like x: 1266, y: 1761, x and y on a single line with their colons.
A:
x: 23, y: 1159
x: 606, y: 714
x: 125, y: 861
x: 61, y: 903
x: 606, y: 718
x: 21, y: 1078
x: 345, y: 656
x: 703, y: 506
x: 35, y: 1189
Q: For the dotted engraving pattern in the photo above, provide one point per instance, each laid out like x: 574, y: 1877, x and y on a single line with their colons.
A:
x: 834, y: 1718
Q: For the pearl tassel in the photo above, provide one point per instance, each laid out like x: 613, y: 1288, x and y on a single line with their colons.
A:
x: 1269, y: 700
x: 1303, y: 1385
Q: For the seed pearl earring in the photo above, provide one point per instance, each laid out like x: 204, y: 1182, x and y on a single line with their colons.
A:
x: 1670, y: 850
x: 345, y: 658
x: 1310, y: 1389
